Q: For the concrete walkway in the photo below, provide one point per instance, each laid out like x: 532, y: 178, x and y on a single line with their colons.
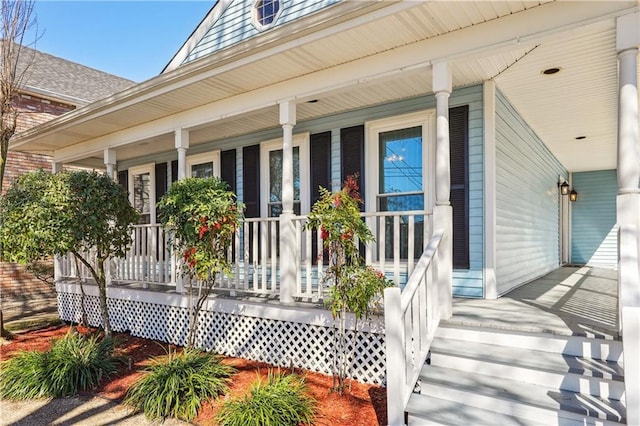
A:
x: 568, y: 301
x: 89, y: 411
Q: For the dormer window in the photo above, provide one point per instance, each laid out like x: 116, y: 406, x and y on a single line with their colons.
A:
x: 265, y: 13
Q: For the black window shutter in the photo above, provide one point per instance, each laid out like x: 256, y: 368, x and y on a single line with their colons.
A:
x: 174, y: 171
x: 251, y: 180
x: 459, y: 146
x: 352, y: 154
x: 123, y: 179
x: 228, y: 168
x: 161, y: 180
x: 320, y: 164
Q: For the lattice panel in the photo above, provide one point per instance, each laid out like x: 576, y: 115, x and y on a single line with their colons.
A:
x: 279, y: 343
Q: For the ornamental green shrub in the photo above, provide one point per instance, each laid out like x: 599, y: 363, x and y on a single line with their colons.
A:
x: 74, y: 363
x: 281, y: 400
x: 176, y: 384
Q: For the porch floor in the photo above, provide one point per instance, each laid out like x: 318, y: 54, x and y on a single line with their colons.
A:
x: 568, y: 301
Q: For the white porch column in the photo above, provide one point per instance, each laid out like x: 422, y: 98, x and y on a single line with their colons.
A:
x: 110, y: 162
x: 442, y: 214
x: 287, y: 231
x: 57, y: 260
x: 182, y: 145
x: 628, y: 206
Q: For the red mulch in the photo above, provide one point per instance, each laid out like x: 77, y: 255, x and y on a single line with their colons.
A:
x: 365, y: 405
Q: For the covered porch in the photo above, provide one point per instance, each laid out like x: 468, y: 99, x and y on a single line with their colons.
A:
x: 570, y: 301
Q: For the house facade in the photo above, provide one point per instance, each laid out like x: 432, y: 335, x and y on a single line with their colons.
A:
x: 465, y: 123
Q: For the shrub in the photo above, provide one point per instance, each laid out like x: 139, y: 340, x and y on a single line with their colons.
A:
x: 282, y: 400
x: 176, y: 385
x: 73, y: 364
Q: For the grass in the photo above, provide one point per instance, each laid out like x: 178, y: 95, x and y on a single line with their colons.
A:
x: 281, y: 400
x: 176, y: 385
x: 33, y: 324
x: 74, y: 363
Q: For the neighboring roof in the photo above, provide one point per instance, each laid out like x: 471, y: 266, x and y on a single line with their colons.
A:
x: 56, y: 78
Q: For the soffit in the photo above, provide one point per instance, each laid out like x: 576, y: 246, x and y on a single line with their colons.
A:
x: 580, y: 100
x: 157, y: 98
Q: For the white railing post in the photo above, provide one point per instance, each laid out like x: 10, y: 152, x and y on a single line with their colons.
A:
x: 396, y: 368
x: 442, y: 221
x: 287, y: 258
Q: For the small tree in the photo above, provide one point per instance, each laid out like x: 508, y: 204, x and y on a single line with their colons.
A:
x: 14, y: 64
x: 204, y: 216
x: 353, y: 286
x: 83, y: 213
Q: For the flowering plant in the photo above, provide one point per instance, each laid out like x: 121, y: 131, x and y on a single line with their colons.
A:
x: 353, y: 287
x: 204, y: 216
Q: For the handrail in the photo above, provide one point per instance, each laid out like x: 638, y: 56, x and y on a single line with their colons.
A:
x: 411, y: 319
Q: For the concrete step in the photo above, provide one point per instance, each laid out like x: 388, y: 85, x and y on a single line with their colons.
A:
x: 565, y: 372
x: 520, y: 400
x: 601, y: 349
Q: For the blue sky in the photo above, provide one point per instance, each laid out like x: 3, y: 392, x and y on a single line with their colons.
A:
x: 131, y: 39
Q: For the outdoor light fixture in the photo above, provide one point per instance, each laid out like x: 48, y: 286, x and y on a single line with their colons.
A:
x: 573, y: 195
x: 564, y: 188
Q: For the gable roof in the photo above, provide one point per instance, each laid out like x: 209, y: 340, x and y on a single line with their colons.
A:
x: 65, y: 81
x: 231, y: 22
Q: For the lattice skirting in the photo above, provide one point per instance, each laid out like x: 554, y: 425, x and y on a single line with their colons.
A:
x: 280, y: 343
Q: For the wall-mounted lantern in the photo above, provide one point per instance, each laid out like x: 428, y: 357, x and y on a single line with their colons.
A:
x: 573, y: 195
x: 564, y: 188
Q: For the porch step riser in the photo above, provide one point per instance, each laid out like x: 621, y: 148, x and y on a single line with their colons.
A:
x: 600, y: 349
x: 596, y: 386
x: 452, y: 413
x: 516, y: 409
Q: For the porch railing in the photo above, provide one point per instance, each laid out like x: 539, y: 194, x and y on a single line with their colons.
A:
x: 255, y: 254
x: 412, y: 316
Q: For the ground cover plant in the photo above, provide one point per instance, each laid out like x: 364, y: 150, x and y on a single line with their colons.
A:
x: 177, y: 384
x: 73, y: 364
x: 365, y: 405
x: 279, y: 400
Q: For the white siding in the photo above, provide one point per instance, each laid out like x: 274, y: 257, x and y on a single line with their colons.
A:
x: 235, y: 24
x: 527, y: 201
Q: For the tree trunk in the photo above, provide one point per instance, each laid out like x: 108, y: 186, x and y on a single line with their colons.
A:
x: 102, y: 288
x: 3, y: 332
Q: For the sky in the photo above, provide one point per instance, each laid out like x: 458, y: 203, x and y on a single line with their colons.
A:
x: 130, y: 39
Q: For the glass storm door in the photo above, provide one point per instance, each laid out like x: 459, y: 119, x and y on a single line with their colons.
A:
x: 401, y: 169
x: 274, y: 205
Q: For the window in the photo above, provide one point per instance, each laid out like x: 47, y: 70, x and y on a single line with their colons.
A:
x: 142, y: 192
x: 204, y: 165
x: 401, y: 171
x: 397, y: 152
x: 266, y: 13
x: 271, y: 176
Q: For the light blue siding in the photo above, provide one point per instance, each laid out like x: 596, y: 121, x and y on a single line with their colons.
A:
x: 467, y: 283
x: 593, y: 219
x: 235, y: 24
x: 527, y: 201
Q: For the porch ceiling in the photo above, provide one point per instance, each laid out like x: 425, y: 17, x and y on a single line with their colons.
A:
x: 580, y: 100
